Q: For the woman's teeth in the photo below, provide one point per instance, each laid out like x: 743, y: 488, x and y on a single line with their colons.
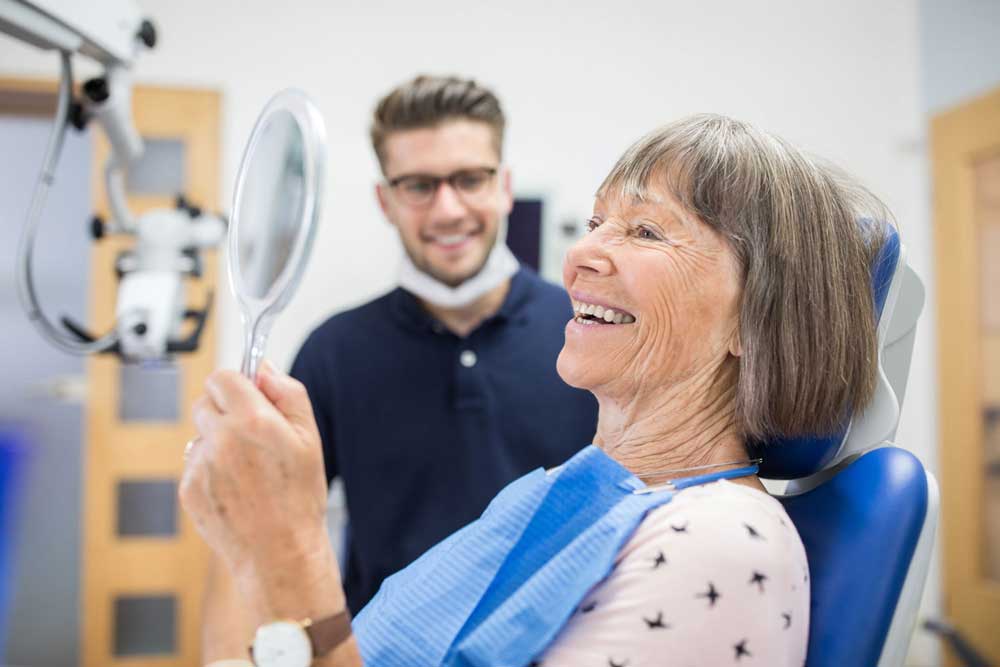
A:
x: 586, y: 312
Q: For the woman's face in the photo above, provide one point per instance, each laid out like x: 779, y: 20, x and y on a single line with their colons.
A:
x: 673, y: 284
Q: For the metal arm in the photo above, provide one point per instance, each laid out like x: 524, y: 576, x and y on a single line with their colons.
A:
x: 150, y: 308
x: 25, y: 283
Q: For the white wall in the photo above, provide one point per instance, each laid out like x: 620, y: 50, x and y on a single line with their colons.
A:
x: 959, y: 50
x: 579, y: 81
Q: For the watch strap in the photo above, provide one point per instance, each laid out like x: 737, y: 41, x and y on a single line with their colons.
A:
x: 328, y: 633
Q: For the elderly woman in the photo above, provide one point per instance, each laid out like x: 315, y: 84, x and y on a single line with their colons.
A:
x: 722, y: 299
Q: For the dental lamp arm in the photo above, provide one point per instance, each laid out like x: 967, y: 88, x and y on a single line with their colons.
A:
x: 103, y: 30
x: 25, y: 284
x: 150, y: 307
x: 108, y: 100
x: 111, y: 32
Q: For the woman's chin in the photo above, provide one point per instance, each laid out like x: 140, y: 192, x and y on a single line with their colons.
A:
x: 574, y: 369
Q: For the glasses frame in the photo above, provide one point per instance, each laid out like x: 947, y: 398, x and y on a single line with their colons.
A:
x: 437, y: 181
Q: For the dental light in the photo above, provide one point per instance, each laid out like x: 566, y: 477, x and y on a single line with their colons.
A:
x: 150, y: 309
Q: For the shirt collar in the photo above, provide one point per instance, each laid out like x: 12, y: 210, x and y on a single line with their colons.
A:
x: 408, y: 312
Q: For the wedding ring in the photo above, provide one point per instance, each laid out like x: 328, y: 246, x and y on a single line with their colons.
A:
x: 188, y: 447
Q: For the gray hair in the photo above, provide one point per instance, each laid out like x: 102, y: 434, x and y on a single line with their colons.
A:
x: 806, y: 322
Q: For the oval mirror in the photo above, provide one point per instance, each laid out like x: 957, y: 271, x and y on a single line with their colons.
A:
x: 275, y: 208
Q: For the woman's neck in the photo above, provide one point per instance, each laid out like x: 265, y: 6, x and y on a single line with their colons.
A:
x: 692, y: 423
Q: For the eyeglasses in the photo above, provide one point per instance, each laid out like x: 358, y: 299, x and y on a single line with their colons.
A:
x: 419, y: 190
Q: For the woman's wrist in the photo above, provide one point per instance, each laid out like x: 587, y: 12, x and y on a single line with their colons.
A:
x: 293, y: 583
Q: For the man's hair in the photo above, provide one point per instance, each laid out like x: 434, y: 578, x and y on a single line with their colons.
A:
x: 429, y: 101
x: 805, y: 236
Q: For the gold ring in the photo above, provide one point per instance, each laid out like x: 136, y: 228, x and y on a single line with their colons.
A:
x: 188, y: 447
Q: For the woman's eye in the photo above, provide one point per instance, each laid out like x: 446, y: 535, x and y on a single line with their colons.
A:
x: 647, y: 234
x: 591, y: 225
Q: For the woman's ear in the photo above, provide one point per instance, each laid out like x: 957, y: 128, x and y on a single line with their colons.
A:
x: 735, y: 343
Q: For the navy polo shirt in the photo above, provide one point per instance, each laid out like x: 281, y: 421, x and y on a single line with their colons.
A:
x: 425, y: 427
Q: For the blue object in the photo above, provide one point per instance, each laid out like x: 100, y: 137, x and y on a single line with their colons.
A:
x: 498, y: 591
x: 425, y: 428
x: 865, y: 509
x: 860, y: 530
x: 13, y: 456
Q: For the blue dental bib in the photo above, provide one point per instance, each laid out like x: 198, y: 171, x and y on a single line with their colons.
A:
x: 497, y: 592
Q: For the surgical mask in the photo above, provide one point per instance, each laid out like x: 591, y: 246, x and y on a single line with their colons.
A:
x: 500, y: 266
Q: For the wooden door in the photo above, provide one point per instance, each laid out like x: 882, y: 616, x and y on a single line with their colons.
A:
x: 149, y: 588
x: 966, y: 173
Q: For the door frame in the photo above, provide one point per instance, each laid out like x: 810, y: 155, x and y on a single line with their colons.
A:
x: 960, y: 137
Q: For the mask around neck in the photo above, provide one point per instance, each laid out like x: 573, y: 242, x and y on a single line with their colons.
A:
x: 500, y: 266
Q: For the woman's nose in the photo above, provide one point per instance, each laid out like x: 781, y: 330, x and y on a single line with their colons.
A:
x: 589, y: 255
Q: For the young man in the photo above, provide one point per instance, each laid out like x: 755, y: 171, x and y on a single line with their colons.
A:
x: 431, y: 398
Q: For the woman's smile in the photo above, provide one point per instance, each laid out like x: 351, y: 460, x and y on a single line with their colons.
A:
x: 590, y: 310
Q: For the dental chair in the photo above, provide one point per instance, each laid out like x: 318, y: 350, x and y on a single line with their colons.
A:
x: 865, y: 508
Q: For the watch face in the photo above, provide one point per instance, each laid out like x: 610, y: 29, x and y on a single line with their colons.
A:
x: 282, y: 644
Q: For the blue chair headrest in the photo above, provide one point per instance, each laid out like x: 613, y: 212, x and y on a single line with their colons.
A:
x: 861, y: 530
x: 795, y: 458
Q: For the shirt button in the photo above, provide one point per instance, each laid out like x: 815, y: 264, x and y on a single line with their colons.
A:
x: 467, y: 358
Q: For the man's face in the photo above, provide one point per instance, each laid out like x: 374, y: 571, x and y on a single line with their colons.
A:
x: 447, y: 227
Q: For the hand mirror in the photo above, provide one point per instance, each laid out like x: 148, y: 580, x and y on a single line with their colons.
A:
x: 275, y: 208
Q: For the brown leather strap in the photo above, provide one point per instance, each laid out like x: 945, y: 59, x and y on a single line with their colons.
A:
x: 328, y: 633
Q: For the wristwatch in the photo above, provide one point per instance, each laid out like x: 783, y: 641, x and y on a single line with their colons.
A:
x: 298, y: 643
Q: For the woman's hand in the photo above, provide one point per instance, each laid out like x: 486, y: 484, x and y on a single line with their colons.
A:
x: 255, y: 487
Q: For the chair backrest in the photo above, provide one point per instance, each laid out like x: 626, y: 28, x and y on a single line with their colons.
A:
x: 866, y: 509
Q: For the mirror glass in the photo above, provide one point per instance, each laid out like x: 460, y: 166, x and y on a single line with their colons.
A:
x: 275, y: 209
x: 271, y: 204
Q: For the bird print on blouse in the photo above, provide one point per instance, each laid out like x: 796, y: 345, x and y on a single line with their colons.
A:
x: 656, y: 623
x: 759, y: 579
x: 712, y: 594
x: 730, y: 593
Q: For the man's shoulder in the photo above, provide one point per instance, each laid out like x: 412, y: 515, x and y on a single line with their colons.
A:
x: 357, y: 323
x: 346, y: 321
